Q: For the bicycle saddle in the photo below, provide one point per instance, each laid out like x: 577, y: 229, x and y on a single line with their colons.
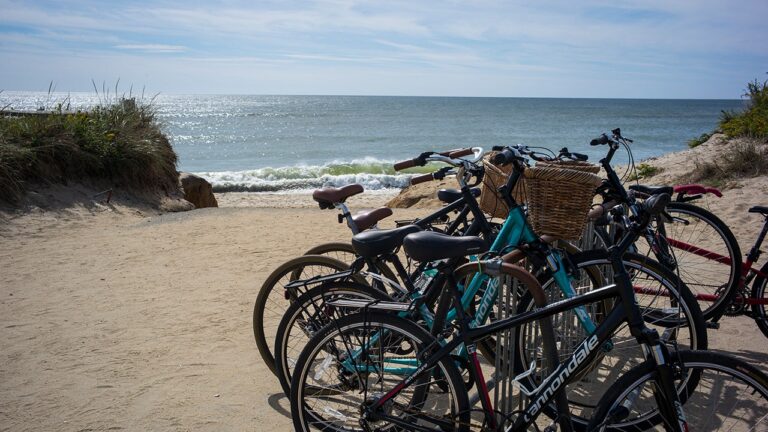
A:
x: 652, y: 190
x: 327, y: 197
x: 373, y: 243
x: 448, y: 196
x: 759, y: 209
x: 432, y: 246
x: 365, y: 220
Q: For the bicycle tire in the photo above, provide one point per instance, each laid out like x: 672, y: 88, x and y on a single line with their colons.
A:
x: 308, y: 389
x: 295, y: 323
x: 759, y: 313
x: 341, y: 251
x: 718, y: 407
x: 271, y: 302
x: 701, y: 274
x: 647, y: 274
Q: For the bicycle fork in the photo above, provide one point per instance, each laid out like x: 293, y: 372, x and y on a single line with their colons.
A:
x: 664, y: 391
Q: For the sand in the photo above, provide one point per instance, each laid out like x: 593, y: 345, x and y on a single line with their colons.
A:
x: 118, y: 318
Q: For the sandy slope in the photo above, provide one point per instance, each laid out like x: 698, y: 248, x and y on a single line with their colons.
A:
x: 115, y: 318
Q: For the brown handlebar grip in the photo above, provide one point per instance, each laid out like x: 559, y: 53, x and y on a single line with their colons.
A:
x: 405, y: 164
x: 421, y: 179
x: 448, y: 153
x: 459, y: 153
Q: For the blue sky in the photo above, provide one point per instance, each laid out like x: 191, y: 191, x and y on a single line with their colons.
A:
x: 591, y: 48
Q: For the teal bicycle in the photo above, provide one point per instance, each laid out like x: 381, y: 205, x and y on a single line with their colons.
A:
x: 679, y: 322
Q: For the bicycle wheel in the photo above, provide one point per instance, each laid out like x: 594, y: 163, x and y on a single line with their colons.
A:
x: 666, y: 306
x: 343, y: 252
x: 306, y: 316
x: 705, y: 254
x: 731, y: 395
x: 273, y: 300
x: 356, y: 360
x: 759, y: 313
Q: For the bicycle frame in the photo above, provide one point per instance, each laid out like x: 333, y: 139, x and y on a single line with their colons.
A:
x: 557, y: 380
x: 748, y: 272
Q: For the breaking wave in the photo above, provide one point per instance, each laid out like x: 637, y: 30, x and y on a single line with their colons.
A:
x: 371, y: 173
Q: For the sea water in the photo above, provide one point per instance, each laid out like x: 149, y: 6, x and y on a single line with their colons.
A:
x: 298, y: 143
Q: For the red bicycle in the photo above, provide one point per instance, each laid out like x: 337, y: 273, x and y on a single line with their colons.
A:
x: 735, y: 298
x: 691, y: 241
x: 751, y: 303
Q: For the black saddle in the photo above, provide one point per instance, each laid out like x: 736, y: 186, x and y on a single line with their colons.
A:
x: 374, y: 243
x: 759, y: 209
x: 652, y: 190
x: 432, y: 246
x: 450, y: 195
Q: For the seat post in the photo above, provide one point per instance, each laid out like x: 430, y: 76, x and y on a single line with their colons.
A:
x: 345, y: 214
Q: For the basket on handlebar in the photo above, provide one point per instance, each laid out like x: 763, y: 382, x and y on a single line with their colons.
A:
x: 558, y: 200
x: 570, y: 164
x: 495, y: 177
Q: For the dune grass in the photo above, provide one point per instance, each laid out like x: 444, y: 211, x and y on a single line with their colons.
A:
x: 753, y: 121
x: 745, y: 159
x: 120, y: 142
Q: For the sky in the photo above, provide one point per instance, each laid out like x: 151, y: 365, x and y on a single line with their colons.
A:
x: 699, y: 49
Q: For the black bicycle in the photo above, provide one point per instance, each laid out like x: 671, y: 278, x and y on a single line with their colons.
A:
x: 374, y: 371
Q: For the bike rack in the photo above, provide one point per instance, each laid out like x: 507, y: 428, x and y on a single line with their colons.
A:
x: 508, y: 392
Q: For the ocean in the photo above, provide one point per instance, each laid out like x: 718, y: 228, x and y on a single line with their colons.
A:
x: 299, y: 143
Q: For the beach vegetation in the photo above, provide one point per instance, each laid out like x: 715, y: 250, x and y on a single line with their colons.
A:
x: 743, y: 159
x: 644, y: 170
x: 120, y: 142
x: 701, y: 139
x: 753, y: 121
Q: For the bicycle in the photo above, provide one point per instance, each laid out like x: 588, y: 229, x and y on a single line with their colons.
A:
x: 351, y: 373
x: 687, y: 239
x: 383, y: 269
x: 515, y: 231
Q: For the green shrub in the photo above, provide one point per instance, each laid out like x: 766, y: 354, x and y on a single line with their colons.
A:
x: 644, y: 170
x: 120, y: 142
x: 753, y: 122
x: 695, y: 142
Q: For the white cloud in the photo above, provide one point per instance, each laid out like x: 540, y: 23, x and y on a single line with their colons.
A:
x: 152, y: 48
x: 545, y: 44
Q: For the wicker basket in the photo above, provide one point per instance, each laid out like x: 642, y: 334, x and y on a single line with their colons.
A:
x: 495, y: 177
x: 573, y: 165
x: 558, y: 200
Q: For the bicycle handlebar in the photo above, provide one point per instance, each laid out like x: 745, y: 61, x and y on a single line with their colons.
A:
x: 422, y: 179
x: 420, y: 160
x: 601, y: 140
x: 564, y: 153
x: 460, y: 153
x: 615, y: 140
x: 423, y: 158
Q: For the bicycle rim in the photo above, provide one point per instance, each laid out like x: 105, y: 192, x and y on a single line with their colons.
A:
x: 676, y: 319
x: 356, y: 360
x: 697, y: 238
x: 271, y: 302
x: 307, y: 315
x: 730, y: 396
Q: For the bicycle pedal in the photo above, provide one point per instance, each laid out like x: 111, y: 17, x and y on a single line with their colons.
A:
x: 713, y: 325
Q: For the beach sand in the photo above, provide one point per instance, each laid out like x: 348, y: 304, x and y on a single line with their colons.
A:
x: 115, y: 318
